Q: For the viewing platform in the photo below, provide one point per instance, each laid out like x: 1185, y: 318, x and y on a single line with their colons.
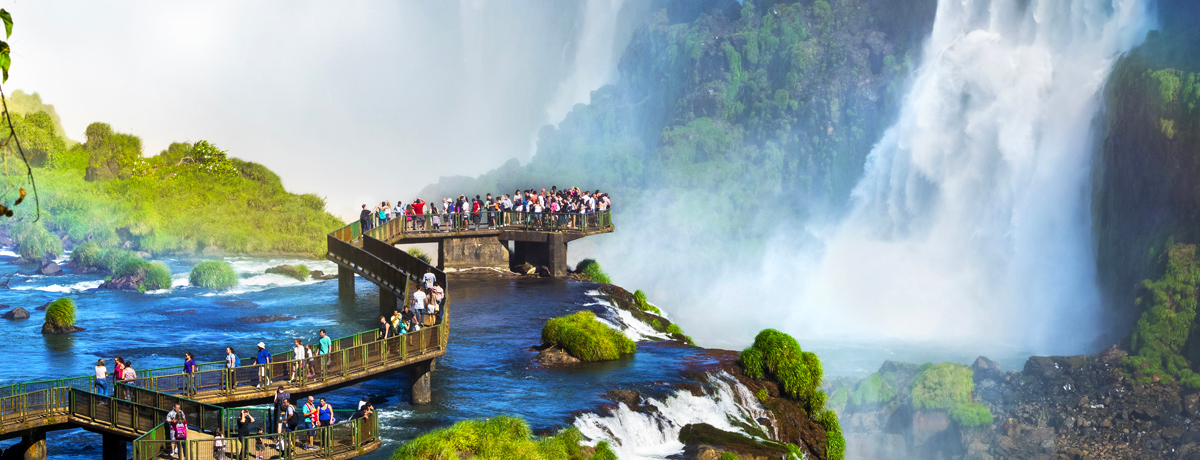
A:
x: 483, y: 240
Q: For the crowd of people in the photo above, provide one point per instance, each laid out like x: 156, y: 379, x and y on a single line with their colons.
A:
x: 424, y: 309
x: 567, y: 208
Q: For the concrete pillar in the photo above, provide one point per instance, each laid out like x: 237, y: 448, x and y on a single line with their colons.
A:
x: 31, y: 447
x: 345, y: 282
x: 419, y: 377
x: 557, y: 247
x: 387, y: 302
x: 441, y: 263
x: 472, y: 252
x: 115, y: 448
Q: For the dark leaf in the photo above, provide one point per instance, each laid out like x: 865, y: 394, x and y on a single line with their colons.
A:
x: 7, y: 22
x: 5, y: 61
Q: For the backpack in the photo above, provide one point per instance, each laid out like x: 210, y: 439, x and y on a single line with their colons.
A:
x: 181, y: 430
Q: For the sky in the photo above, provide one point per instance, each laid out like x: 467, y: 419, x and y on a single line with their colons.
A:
x: 365, y: 102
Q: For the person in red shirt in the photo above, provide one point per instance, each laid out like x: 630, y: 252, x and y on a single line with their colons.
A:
x: 419, y: 210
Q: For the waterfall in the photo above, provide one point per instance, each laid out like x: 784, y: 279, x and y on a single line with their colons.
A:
x: 654, y: 434
x: 972, y: 221
x: 594, y: 59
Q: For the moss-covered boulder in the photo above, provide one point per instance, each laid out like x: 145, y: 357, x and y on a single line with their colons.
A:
x: 498, y: 437
x: 34, y: 242
x: 584, y: 337
x: 60, y: 317
x: 213, y: 274
x: 139, y: 275
x: 297, y: 272
x: 589, y: 270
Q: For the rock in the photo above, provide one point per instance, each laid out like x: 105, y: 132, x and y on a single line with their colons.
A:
x: 555, y: 356
x: 239, y: 303
x: 1191, y: 403
x: 927, y: 424
x: 543, y: 271
x: 266, y: 319
x: 5, y: 242
x: 697, y: 434
x: 54, y: 328
x: 525, y: 269
x: 702, y: 452
x: 144, y: 254
x: 1172, y: 432
x: 90, y: 270
x: 49, y: 268
x: 128, y: 283
x: 986, y: 369
x: 44, y: 306
x: 17, y: 314
x: 320, y: 275
x: 288, y: 271
x: 179, y: 312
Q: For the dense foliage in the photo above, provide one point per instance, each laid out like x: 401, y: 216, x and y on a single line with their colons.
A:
x: 1161, y: 334
x: 112, y: 258
x: 420, y: 255
x: 590, y: 270
x: 154, y: 275
x: 34, y: 242
x: 187, y: 198
x: 778, y: 357
x: 496, y: 438
x: 942, y: 386
x: 872, y: 391
x: 61, y: 312
x: 86, y: 255
x: 213, y: 274
x: 586, y: 338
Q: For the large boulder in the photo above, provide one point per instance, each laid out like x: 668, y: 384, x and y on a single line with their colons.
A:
x: 320, y: 275
x: 555, y: 356
x: 290, y: 271
x: 985, y: 369
x: 52, y: 328
x: 49, y: 268
x: 128, y: 283
x: 17, y: 314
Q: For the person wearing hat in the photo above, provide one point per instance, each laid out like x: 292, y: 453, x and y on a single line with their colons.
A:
x: 263, y: 359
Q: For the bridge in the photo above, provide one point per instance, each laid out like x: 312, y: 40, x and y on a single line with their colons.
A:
x: 469, y: 241
x: 136, y: 411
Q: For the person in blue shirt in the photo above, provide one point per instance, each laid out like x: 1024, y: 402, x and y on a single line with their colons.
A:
x: 323, y: 347
x: 263, y: 359
x: 189, y: 368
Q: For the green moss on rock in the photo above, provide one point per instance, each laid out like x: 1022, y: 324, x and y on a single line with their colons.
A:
x: 942, y: 386
x: 501, y: 437
x: 34, y: 242
x: 61, y: 312
x: 213, y: 274
x: 86, y: 254
x: 155, y: 275
x: 584, y: 337
x: 590, y: 270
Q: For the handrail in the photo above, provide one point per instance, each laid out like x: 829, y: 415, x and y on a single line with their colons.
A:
x: 453, y: 222
x: 347, y: 438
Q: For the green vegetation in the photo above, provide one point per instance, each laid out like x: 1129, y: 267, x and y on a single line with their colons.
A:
x: 1170, y: 314
x: 728, y: 456
x: 604, y: 452
x: 154, y: 275
x: 213, y: 274
x: 497, y: 438
x: 420, y: 255
x: 642, y: 304
x: 61, y: 312
x: 761, y: 394
x: 971, y: 415
x: 872, y: 391
x: 298, y: 272
x: 34, y: 242
x: 303, y: 271
x: 112, y: 258
x: 777, y: 356
x: 942, y: 386
x: 187, y: 198
x: 590, y: 270
x: 86, y: 255
x: 584, y: 337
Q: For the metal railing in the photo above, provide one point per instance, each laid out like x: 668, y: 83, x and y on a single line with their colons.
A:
x: 457, y: 222
x: 39, y: 405
x: 344, y: 438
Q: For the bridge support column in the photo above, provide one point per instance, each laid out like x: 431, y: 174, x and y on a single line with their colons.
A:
x: 419, y: 377
x: 472, y: 252
x: 345, y: 282
x: 31, y: 447
x: 557, y: 248
x: 387, y: 302
x: 551, y: 254
x: 115, y: 448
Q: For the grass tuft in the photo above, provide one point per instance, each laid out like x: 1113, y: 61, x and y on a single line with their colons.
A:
x: 501, y: 437
x: 61, y: 312
x: 590, y: 270
x: 34, y: 242
x: 155, y: 274
x: 584, y: 337
x: 86, y: 255
x: 213, y: 274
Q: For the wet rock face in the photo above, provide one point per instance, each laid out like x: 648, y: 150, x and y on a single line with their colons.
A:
x: 54, y: 328
x: 555, y: 356
x: 127, y: 283
x: 17, y: 314
x: 49, y: 268
x: 289, y: 271
x: 986, y: 369
x: 320, y: 275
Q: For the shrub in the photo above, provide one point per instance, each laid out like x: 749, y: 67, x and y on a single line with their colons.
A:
x: 761, y: 394
x: 835, y: 441
x: 872, y: 391
x: 112, y: 258
x: 155, y: 274
x: 778, y: 356
x: 86, y: 255
x: 584, y: 337
x: 34, y: 242
x: 590, y: 270
x: 420, y: 255
x: 942, y: 386
x: 61, y: 312
x: 499, y: 437
x: 971, y: 415
x: 1169, y: 316
x: 303, y: 271
x: 213, y: 274
x: 604, y: 452
x: 728, y: 456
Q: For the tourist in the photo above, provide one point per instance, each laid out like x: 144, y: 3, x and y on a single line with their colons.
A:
x: 419, y: 212
x: 308, y: 357
x: 325, y: 412
x: 231, y: 359
x: 189, y: 371
x: 439, y: 296
x: 101, y: 378
x: 385, y: 328
x: 428, y: 279
x: 325, y: 342
x: 362, y: 402
x: 118, y: 371
x: 382, y: 212
x: 219, y: 445
x: 397, y: 324
x: 174, y: 418
x: 280, y: 403
x: 263, y: 360
x: 243, y: 426
x: 364, y: 219
x: 297, y: 361
x: 435, y: 217
x: 364, y: 411
x: 418, y: 305
x: 309, y: 411
x: 128, y: 375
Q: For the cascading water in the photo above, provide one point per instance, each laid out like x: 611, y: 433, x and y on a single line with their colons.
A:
x: 595, y: 57
x: 654, y: 434
x: 971, y: 223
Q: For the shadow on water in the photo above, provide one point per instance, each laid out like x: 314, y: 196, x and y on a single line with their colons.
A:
x: 60, y: 343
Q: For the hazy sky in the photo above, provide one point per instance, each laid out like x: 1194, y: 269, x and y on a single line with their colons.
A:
x: 356, y: 101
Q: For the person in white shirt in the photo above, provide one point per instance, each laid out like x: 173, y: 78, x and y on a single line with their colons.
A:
x: 428, y: 279
x: 418, y: 305
x: 298, y: 364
